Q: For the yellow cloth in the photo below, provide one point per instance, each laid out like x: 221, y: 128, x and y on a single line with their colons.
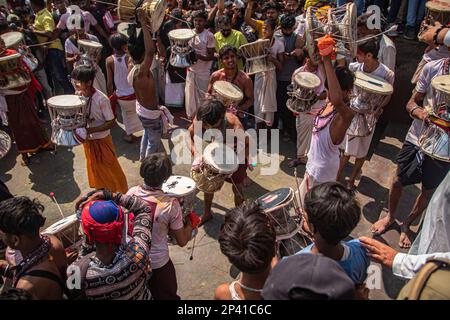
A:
x: 235, y: 39
x: 44, y: 22
x: 259, y: 28
x: 310, y: 3
x: 103, y: 168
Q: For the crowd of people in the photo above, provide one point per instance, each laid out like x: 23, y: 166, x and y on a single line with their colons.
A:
x: 124, y: 252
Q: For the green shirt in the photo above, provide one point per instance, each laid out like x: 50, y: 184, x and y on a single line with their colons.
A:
x: 235, y: 39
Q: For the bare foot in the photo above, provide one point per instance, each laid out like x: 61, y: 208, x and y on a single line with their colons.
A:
x: 205, y: 218
x: 381, y: 226
x: 405, y: 237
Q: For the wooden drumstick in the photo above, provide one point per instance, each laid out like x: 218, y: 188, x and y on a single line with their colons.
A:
x: 192, y: 249
x: 52, y: 195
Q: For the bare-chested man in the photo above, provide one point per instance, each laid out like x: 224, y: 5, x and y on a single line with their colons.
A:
x: 231, y: 73
x: 150, y: 114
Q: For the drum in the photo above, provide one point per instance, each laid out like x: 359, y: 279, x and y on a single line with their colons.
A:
x: 67, y: 230
x: 124, y: 28
x: 16, y: 41
x: 68, y: 115
x: 5, y: 143
x: 181, y: 53
x: 154, y: 10
x: 435, y: 140
x: 90, y: 48
x: 439, y: 10
x: 302, y: 92
x: 219, y: 163
x: 441, y: 88
x: 227, y: 92
x: 255, y: 54
x: 369, y: 92
x: 282, y: 209
x: 182, y: 188
x: 12, y: 73
x: 340, y: 23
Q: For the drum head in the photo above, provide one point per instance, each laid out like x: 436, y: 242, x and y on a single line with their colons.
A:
x: 350, y: 27
x: 441, y: 83
x: 12, y: 38
x: 156, y: 10
x: 228, y: 90
x: 372, y: 83
x: 221, y: 157
x: 309, y: 33
x: 124, y: 28
x: 438, y: 6
x: 127, y: 10
x: 61, y: 225
x: 90, y: 43
x: 66, y: 101
x: 178, y: 186
x: 254, y: 49
x: 274, y: 198
x: 5, y: 143
x: 307, y: 80
x: 181, y: 34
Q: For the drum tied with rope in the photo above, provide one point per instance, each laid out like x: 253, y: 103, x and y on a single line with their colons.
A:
x: 219, y: 163
x: 68, y: 115
x: 434, y: 140
x: 12, y: 73
x: 301, y: 92
x: 182, y: 55
x: 256, y: 56
x: 68, y: 231
x: 439, y: 10
x: 16, y: 41
x: 229, y: 94
x: 368, y: 94
x: 90, y: 50
x: 154, y: 10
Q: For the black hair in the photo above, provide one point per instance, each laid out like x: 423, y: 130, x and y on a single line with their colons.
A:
x: 136, y: 45
x: 270, y: 5
x: 155, y: 169
x: 370, y: 46
x: 117, y: 41
x: 287, y: 22
x: 333, y: 211
x: 345, y: 77
x: 39, y: 3
x: 223, y: 20
x: 211, y: 111
x: 247, y: 238
x: 83, y: 73
x: 176, y: 13
x: 225, y: 49
x: 271, y: 23
x: 21, y: 216
x: 199, y: 14
x: 15, y: 294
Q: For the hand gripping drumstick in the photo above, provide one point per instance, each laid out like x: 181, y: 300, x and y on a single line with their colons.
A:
x: 52, y: 195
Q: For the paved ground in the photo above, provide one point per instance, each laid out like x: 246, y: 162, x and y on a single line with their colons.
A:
x: 64, y: 174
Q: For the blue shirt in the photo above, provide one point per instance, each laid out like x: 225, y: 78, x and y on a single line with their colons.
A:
x: 354, y: 262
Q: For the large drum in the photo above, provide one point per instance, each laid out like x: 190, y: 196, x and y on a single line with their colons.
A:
x: 439, y: 10
x: 340, y: 23
x: 92, y: 49
x: 302, y: 93
x: 67, y: 230
x: 434, y: 140
x: 68, y: 114
x: 219, y: 163
x: 255, y: 54
x: 16, y: 41
x: 182, y: 188
x: 5, y: 143
x: 153, y: 9
x: 369, y: 92
x: 228, y: 93
x: 182, y: 55
x: 12, y: 73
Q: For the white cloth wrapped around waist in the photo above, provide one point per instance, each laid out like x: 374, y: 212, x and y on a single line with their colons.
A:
x: 162, y: 111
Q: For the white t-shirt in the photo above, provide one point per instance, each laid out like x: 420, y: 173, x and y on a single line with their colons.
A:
x: 70, y: 47
x: 321, y: 88
x: 300, y: 25
x: 100, y: 112
x: 201, y: 42
x: 168, y: 216
x: 88, y: 19
x: 387, y: 53
x: 429, y: 71
x: 382, y: 71
x: 440, y: 52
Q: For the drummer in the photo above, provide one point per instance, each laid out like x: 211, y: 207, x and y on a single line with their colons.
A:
x: 212, y: 114
x: 25, y: 125
x: 358, y: 147
x: 231, y: 73
x: 412, y: 165
x: 167, y: 220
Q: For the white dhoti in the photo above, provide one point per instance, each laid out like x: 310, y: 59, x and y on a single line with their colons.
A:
x: 265, y: 92
x: 304, y: 124
x: 196, y: 87
x: 174, y: 93
x: 357, y: 146
x: 129, y: 116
